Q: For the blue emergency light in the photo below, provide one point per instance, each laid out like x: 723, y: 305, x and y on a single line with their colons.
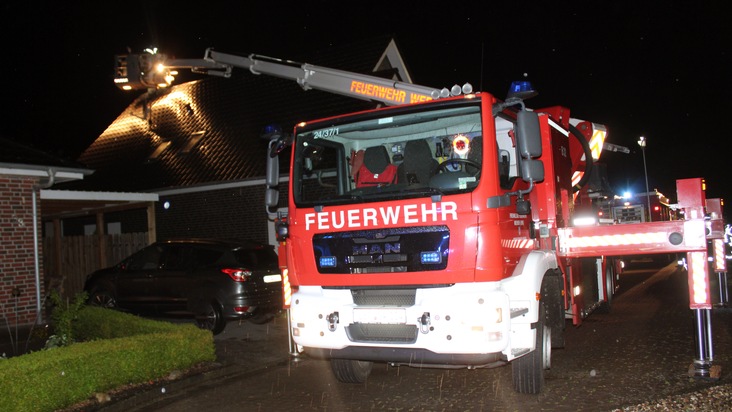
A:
x: 328, y: 261
x: 521, y: 89
x: 430, y: 258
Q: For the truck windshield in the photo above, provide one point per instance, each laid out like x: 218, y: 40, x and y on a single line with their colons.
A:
x: 387, y: 155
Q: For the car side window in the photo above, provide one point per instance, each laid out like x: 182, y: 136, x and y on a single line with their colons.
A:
x: 175, y: 257
x: 146, y: 259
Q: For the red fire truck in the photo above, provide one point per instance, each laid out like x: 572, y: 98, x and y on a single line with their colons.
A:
x: 438, y: 232
x: 634, y: 208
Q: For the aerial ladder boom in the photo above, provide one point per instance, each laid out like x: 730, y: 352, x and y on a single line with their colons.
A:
x: 152, y: 70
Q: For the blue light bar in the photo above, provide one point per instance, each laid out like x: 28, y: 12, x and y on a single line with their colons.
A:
x: 521, y: 86
x: 521, y: 89
x: 429, y: 258
x: 328, y: 261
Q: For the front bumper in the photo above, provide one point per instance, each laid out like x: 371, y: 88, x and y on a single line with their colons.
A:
x: 462, y: 324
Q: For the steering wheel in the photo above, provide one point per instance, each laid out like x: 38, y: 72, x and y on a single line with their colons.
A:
x: 441, y: 168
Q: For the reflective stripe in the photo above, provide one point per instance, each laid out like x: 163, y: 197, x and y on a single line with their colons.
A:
x: 698, y: 266
x: 720, y: 262
x: 615, y: 240
x: 286, y: 289
x: 596, y: 142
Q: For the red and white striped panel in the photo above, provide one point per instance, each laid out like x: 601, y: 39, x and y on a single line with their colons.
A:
x: 518, y: 243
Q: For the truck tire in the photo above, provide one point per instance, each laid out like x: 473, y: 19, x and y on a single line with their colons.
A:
x: 551, y: 294
x: 528, y: 370
x: 606, y: 304
x: 350, y: 370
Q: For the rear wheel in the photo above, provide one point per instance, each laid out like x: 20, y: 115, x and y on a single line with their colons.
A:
x: 528, y: 370
x: 350, y: 370
x: 211, y: 318
x: 606, y: 304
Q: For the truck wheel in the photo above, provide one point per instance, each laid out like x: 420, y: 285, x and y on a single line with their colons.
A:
x: 610, y: 286
x: 350, y: 370
x: 551, y: 294
x: 211, y: 318
x: 528, y: 370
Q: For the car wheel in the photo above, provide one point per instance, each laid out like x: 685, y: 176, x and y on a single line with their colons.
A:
x: 211, y: 318
x: 351, y: 370
x: 103, y: 298
x: 261, y: 316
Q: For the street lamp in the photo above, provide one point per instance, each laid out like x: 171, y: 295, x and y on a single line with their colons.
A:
x: 642, y: 144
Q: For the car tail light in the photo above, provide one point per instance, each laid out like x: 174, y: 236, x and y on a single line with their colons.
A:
x: 238, y: 275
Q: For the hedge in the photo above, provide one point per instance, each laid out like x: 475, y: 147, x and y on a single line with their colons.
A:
x: 118, y: 349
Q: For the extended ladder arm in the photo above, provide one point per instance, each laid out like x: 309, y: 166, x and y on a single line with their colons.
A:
x: 152, y: 70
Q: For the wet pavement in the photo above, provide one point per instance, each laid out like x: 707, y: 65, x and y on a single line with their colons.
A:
x: 639, y: 352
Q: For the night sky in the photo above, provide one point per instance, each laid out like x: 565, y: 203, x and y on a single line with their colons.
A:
x: 657, y: 70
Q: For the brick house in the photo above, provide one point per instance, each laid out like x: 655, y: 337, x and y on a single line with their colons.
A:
x: 197, y: 145
x: 24, y: 173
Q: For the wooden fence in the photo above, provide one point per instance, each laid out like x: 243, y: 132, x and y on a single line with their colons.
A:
x: 80, y: 256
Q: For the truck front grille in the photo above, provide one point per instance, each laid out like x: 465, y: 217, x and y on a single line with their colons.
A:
x: 382, y: 250
x: 378, y: 333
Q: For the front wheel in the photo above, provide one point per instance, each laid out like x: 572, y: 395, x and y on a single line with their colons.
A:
x: 211, y: 318
x: 350, y: 370
x: 103, y: 298
x: 528, y: 370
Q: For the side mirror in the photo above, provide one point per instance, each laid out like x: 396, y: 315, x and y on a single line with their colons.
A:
x: 273, y: 166
x: 532, y: 170
x: 271, y: 198
x: 272, y: 179
x: 528, y: 134
x: 528, y: 140
x: 278, y: 143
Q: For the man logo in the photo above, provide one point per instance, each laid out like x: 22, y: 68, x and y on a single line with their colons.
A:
x: 377, y: 248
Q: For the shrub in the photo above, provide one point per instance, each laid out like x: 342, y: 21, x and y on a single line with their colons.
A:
x: 63, y: 316
x: 121, y: 349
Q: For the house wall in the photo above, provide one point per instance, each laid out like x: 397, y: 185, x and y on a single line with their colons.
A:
x: 17, y: 258
x: 225, y: 213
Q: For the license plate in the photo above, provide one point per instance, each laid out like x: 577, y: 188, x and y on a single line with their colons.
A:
x: 272, y: 278
x: 380, y: 315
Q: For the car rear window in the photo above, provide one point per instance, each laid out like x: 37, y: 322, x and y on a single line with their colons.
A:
x: 203, y: 257
x: 258, y: 258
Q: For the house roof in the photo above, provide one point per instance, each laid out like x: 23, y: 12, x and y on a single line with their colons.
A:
x: 208, y: 130
x: 20, y: 160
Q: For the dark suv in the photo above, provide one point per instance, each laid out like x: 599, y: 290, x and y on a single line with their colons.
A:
x: 214, y: 280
